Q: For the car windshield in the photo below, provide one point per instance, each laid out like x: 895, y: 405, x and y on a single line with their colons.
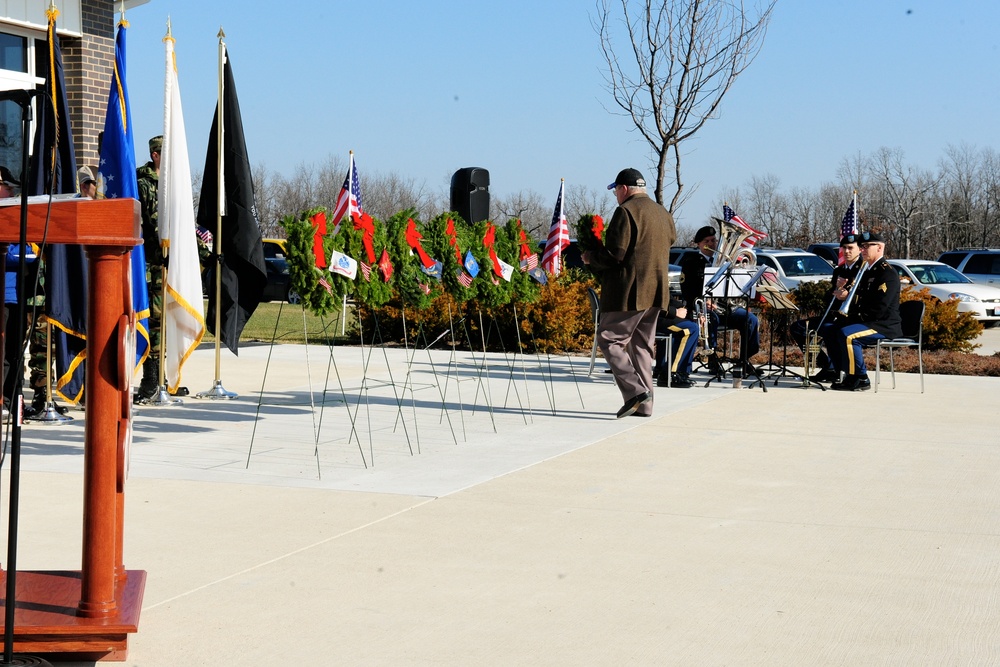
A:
x: 937, y: 274
x: 804, y: 265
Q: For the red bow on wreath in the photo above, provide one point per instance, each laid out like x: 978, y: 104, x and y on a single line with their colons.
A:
x: 452, y: 235
x: 598, y: 228
x: 525, y: 252
x: 319, y: 231
x: 489, y: 242
x: 365, y: 223
x: 413, y: 240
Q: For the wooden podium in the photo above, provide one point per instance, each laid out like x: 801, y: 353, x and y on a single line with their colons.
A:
x: 90, y: 612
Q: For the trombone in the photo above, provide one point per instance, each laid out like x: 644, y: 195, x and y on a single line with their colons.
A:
x: 845, y: 307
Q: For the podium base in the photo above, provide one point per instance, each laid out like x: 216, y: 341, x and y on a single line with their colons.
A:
x: 162, y: 399
x: 46, y: 622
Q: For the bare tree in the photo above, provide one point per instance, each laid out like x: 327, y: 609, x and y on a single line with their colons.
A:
x: 529, y: 207
x: 682, y: 57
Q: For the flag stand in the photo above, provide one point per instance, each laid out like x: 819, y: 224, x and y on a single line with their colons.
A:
x: 218, y: 392
x: 162, y: 397
x: 50, y: 415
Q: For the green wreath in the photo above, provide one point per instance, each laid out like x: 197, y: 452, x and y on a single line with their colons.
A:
x: 525, y: 288
x: 493, y: 290
x: 373, y: 291
x: 407, y: 274
x: 303, y: 273
x: 438, y: 242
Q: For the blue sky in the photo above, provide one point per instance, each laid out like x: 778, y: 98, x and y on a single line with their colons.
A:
x: 423, y: 89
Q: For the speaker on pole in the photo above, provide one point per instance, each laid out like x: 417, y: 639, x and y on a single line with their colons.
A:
x: 470, y: 194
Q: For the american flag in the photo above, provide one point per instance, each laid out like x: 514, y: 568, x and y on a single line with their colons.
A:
x: 849, y: 225
x: 529, y: 262
x: 426, y: 289
x: 326, y: 285
x: 204, y: 236
x: 729, y: 215
x: 558, y: 238
x: 349, y: 200
x: 366, y: 270
x: 464, y: 278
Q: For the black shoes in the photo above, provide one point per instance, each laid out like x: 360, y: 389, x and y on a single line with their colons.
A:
x: 852, y: 383
x: 632, y: 404
x: 180, y: 391
x: 825, y: 375
x: 676, y: 380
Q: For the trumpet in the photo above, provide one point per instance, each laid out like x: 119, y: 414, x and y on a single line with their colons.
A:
x: 845, y: 307
x: 701, y: 315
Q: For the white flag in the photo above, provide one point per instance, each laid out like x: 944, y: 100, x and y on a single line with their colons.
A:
x: 183, y: 321
x: 506, y: 270
x: 344, y: 265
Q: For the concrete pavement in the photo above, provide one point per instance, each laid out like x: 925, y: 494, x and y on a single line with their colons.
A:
x: 508, y: 518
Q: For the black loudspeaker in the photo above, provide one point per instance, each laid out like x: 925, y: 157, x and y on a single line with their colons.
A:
x: 470, y: 194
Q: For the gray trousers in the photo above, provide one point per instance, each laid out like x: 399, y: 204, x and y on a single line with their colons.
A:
x: 627, y: 340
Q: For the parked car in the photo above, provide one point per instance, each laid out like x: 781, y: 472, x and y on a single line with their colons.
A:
x: 795, y: 266
x: 278, y: 287
x: 980, y: 265
x: 945, y: 283
x: 828, y: 251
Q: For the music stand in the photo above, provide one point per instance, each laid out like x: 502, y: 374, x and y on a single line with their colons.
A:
x: 778, y: 297
x: 731, y: 282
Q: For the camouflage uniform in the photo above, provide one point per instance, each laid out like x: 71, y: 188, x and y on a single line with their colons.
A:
x: 148, y: 182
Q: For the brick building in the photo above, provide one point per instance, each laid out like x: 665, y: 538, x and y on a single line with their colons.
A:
x: 86, y: 30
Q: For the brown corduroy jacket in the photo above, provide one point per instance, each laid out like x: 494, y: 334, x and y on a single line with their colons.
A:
x: 635, y: 261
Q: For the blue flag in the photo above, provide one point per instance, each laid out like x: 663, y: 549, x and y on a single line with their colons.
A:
x: 118, y: 170
x: 53, y: 171
x: 471, y: 265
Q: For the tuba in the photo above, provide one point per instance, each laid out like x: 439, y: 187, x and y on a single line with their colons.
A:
x: 731, y: 248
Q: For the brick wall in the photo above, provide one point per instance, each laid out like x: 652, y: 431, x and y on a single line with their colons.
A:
x: 88, y: 63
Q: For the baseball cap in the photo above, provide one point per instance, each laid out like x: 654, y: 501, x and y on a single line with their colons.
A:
x: 85, y: 175
x: 628, y: 177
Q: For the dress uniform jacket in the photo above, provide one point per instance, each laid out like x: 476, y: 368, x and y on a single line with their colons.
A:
x: 877, y: 300
x: 634, y: 264
x: 692, y: 279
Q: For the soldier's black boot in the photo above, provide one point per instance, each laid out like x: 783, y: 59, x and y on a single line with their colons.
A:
x: 148, y: 385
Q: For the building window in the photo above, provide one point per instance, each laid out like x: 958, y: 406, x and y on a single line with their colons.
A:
x: 17, y: 65
x: 13, y: 52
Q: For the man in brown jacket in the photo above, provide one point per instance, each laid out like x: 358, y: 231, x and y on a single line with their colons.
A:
x: 633, y: 267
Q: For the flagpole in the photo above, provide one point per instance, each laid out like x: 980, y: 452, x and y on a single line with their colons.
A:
x: 218, y: 391
x: 162, y: 397
x: 857, y: 218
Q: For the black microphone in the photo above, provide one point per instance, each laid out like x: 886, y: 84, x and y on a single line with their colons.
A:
x: 22, y: 97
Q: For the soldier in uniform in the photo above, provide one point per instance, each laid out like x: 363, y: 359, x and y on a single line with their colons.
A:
x: 840, y: 284
x: 873, y: 315
x: 148, y: 179
x: 693, y: 288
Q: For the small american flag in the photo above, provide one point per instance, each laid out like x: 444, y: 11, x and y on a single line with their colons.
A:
x: 366, y: 270
x: 558, y: 238
x: 849, y: 225
x: 729, y: 215
x: 464, y: 278
x: 530, y: 262
x: 426, y: 289
x: 204, y: 236
x: 349, y: 200
x: 326, y: 285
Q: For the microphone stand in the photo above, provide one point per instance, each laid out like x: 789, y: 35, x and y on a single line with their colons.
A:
x: 17, y: 406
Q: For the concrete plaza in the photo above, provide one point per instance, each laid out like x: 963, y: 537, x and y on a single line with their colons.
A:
x: 462, y: 510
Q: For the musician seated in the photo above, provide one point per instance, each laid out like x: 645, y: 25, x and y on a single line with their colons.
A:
x: 693, y: 266
x: 873, y: 314
x: 840, y: 285
x: 683, y: 335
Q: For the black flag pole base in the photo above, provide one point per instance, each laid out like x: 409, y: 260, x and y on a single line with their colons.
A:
x: 50, y: 416
x: 217, y: 393
x: 26, y: 661
x: 162, y: 399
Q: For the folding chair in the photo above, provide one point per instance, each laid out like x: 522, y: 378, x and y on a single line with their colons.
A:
x: 595, y: 313
x: 912, y: 315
